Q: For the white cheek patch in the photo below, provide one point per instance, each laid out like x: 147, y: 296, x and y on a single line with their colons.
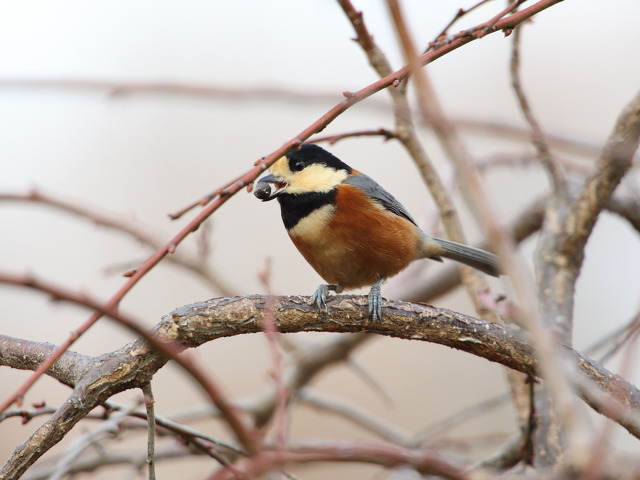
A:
x: 280, y: 168
x: 315, y: 178
x: 313, y: 225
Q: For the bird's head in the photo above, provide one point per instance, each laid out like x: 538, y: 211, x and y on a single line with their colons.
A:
x: 306, y: 169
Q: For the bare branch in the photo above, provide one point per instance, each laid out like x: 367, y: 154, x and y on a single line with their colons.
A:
x: 355, y: 414
x: 196, y: 324
x: 93, y: 461
x: 614, y: 163
x: 423, y: 460
x: 166, y: 349
x: 537, y: 136
x: 458, y: 15
x: 149, y: 403
x: 216, y: 318
x: 332, y: 139
x: 129, y: 228
x: 28, y: 355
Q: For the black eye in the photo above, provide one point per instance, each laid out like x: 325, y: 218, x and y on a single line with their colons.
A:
x: 297, y: 166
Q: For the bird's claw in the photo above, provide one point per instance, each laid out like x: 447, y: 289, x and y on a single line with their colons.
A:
x: 319, y: 297
x: 375, y: 302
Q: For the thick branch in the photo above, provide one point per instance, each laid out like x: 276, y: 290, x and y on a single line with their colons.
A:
x: 570, y: 219
x: 28, y: 355
x: 205, y: 321
x: 615, y: 162
x: 102, y: 378
x: 192, y: 325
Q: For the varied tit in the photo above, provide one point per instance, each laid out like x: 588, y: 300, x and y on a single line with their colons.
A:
x: 351, y: 230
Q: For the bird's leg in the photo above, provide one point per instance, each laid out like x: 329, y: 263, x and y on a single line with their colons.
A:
x: 319, y: 297
x: 375, y: 301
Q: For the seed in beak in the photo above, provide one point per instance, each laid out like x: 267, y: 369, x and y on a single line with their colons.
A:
x: 262, y: 190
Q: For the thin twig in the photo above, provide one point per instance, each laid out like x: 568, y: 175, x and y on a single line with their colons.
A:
x: 149, y: 404
x: 307, y: 362
x: 484, y: 28
x: 369, y: 380
x: 333, y: 139
x: 425, y: 461
x: 90, y: 462
x: 458, y: 15
x: 618, y: 338
x: 28, y: 414
x: 538, y: 138
x: 458, y: 419
x: 129, y: 228
x: 282, y: 394
x: 180, y: 429
x: 490, y: 24
x: 354, y: 414
x: 108, y: 428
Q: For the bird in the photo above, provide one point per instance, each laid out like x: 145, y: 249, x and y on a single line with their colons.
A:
x: 350, y: 229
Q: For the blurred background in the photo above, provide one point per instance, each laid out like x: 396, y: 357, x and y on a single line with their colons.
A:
x: 82, y: 119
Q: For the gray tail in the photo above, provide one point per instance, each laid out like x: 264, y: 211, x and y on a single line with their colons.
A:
x: 473, y: 257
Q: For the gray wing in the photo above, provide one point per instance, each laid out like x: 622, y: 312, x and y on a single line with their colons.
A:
x: 379, y: 194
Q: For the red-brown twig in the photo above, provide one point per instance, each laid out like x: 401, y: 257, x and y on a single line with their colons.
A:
x: 282, y: 393
x: 388, y: 456
x: 332, y: 139
x: 489, y: 24
x: 458, y: 15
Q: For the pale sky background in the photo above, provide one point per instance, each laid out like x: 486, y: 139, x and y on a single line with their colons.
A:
x: 142, y: 156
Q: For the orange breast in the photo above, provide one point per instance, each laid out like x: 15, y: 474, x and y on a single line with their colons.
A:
x: 360, y: 243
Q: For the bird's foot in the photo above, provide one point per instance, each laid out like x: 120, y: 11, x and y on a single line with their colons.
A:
x: 375, y: 302
x: 319, y: 297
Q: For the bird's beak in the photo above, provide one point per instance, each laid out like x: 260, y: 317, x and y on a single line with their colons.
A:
x: 263, y: 188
